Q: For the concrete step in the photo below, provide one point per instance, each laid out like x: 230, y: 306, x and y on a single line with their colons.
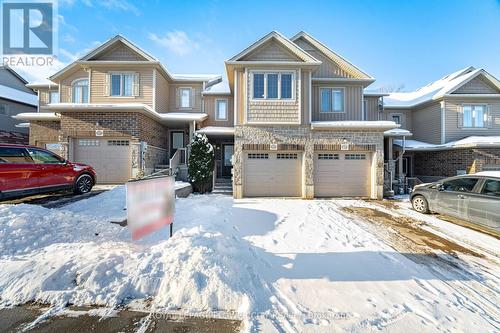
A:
x: 222, y: 192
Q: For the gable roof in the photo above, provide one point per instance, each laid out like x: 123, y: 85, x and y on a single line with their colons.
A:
x: 285, y: 42
x: 333, y: 56
x: 13, y: 72
x: 438, y: 89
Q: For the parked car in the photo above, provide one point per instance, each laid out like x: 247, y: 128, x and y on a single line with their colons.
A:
x: 27, y: 170
x: 474, y: 198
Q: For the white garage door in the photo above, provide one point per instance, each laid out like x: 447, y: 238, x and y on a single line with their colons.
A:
x: 340, y: 174
x: 272, y: 174
x: 110, y: 158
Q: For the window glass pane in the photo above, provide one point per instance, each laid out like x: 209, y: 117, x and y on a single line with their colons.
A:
x: 54, y: 97
x: 467, y: 116
x: 128, y: 80
x: 258, y: 86
x: 115, y: 84
x: 338, y: 100
x: 286, y: 85
x: 43, y: 157
x: 272, y: 85
x: 491, y: 187
x: 85, y: 94
x: 396, y: 119
x: 478, y: 114
x: 221, y: 110
x: 326, y: 100
x: 77, y: 94
x: 460, y: 185
x: 177, y: 140
x: 228, y: 155
x: 13, y: 155
x: 185, y: 98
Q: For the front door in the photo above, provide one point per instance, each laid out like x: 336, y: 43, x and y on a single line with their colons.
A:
x: 176, y: 141
x: 227, y: 164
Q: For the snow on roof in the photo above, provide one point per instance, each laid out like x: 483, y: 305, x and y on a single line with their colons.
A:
x: 367, y: 92
x: 37, y: 116
x: 469, y: 142
x: 381, y: 125
x: 183, y: 116
x: 218, y: 88
x: 398, y: 132
x: 216, y: 130
x: 18, y: 95
x: 433, y: 90
x: 195, y: 77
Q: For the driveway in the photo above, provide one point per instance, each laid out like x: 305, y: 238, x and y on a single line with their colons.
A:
x: 277, y: 265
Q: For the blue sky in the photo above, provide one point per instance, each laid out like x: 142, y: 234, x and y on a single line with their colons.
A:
x: 406, y: 43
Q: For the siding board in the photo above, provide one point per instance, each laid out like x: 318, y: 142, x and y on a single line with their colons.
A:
x: 427, y: 123
x: 352, y: 103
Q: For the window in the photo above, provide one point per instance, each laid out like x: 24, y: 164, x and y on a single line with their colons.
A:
x: 118, y: 143
x: 396, y: 118
x: 80, y: 91
x: 4, y: 109
x: 331, y: 99
x: 491, y: 187
x: 44, y: 157
x: 88, y: 142
x: 14, y: 155
x: 328, y: 156
x: 53, y: 97
x: 228, y: 155
x: 474, y: 115
x: 355, y: 156
x: 122, y: 84
x: 185, y: 97
x: 258, y: 156
x: 221, y: 109
x: 272, y: 85
x: 287, y: 156
x: 460, y: 184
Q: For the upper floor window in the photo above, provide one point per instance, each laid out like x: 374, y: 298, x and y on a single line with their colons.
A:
x: 331, y: 99
x: 474, y: 115
x: 272, y: 85
x: 396, y: 118
x: 80, y: 91
x: 122, y: 84
x: 185, y: 97
x: 221, y: 109
x: 53, y: 97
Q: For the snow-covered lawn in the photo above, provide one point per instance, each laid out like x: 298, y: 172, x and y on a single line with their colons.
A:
x: 280, y: 265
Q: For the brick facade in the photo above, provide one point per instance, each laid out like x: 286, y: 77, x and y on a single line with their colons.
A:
x: 43, y: 132
x: 446, y: 163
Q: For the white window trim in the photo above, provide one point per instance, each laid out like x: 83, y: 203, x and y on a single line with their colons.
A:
x: 343, y: 100
x: 180, y: 98
x: 400, y: 115
x: 217, y: 111
x: 72, y: 88
x: 279, y: 72
x: 121, y: 73
x: 485, y: 122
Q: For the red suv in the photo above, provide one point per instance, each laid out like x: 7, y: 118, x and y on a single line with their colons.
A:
x: 26, y: 170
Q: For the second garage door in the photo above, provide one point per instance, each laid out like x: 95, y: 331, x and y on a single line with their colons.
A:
x: 339, y: 174
x: 110, y: 158
x: 272, y: 174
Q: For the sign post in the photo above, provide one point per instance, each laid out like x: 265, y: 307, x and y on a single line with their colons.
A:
x: 150, y: 205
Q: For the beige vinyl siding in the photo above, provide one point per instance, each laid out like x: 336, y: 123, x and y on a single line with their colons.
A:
x: 209, y: 101
x: 273, y: 111
x: 162, y: 93
x: 44, y: 96
x: 305, y: 80
x: 406, y: 117
x: 476, y: 86
x: 427, y: 122
x: 65, y: 96
x: 352, y: 103
x: 271, y: 51
x: 240, y: 97
x: 98, y: 83
x: 453, y: 110
x: 328, y: 68
x: 174, y: 97
x: 120, y: 52
x: 372, y: 112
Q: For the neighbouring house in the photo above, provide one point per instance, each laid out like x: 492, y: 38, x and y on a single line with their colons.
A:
x: 15, y: 98
x: 291, y: 120
x: 452, y: 127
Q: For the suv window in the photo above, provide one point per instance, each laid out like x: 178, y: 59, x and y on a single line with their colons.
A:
x: 14, y: 155
x: 43, y: 157
x: 460, y: 185
x: 491, y: 187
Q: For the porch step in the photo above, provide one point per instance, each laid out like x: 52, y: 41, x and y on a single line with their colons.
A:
x: 223, y: 186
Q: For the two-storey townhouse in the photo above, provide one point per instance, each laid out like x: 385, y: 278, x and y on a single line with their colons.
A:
x: 302, y: 125
x: 455, y: 122
x: 118, y: 109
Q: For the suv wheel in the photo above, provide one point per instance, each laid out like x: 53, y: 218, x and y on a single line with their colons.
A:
x: 83, y: 184
x: 420, y: 204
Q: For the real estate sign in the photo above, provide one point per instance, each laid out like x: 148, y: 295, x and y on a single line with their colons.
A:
x: 150, y: 205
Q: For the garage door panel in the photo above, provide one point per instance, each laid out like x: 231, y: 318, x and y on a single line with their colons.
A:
x: 278, y: 174
x: 342, y: 174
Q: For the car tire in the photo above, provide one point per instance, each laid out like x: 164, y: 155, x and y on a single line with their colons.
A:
x: 420, y: 204
x: 83, y: 184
